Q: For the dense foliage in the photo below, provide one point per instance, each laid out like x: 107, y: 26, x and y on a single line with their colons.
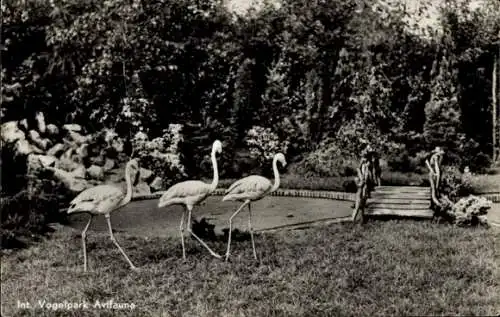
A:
x: 344, y: 71
x: 317, y: 80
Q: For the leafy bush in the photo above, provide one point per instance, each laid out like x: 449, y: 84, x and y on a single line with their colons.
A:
x: 263, y: 144
x: 25, y: 215
x: 470, y: 210
x: 454, y: 184
x: 391, y: 178
x: 402, y: 160
x: 328, y: 160
x: 161, y: 154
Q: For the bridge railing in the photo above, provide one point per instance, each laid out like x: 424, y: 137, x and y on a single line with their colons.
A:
x: 362, y: 193
x: 438, y: 202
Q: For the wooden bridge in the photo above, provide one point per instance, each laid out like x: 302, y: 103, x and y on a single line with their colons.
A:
x: 407, y: 201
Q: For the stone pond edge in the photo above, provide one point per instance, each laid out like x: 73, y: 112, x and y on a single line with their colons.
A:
x: 320, y: 194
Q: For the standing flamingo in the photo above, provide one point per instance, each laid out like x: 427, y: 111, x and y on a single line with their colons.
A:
x: 252, y: 188
x: 102, y: 200
x: 190, y: 193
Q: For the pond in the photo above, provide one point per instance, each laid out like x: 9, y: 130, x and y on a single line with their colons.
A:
x: 143, y: 218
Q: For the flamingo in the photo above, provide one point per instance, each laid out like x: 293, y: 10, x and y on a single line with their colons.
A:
x: 248, y: 189
x: 190, y: 193
x: 102, y: 200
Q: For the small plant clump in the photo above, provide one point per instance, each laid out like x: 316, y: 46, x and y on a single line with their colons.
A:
x: 471, y: 210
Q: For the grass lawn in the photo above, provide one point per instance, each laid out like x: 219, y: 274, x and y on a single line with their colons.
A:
x: 486, y: 183
x: 383, y: 268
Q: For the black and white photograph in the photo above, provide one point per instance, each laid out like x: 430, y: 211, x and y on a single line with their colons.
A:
x: 220, y: 158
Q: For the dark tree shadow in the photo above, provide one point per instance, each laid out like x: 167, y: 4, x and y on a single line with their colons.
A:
x: 206, y: 231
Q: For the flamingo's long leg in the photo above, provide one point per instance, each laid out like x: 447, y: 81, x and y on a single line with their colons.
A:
x: 194, y: 235
x: 132, y: 266
x: 231, y: 227
x: 181, y: 228
x: 84, y: 243
x: 251, y: 229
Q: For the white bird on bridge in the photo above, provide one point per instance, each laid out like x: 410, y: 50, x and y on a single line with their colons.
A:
x: 252, y: 188
x: 190, y: 193
x: 102, y: 200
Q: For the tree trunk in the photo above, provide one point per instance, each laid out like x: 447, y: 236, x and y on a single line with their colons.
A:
x: 495, y: 95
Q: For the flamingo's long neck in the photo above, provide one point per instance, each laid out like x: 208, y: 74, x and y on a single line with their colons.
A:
x: 215, y: 180
x: 128, y: 193
x: 276, y: 175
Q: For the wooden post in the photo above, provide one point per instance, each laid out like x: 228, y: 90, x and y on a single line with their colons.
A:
x: 361, y: 194
x: 358, y: 213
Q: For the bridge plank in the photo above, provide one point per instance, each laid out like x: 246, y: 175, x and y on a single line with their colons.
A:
x: 392, y: 191
x: 402, y: 201
x: 402, y: 188
x: 400, y: 212
x: 398, y: 206
x: 401, y: 196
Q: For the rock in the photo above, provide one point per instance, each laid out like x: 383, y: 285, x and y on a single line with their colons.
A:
x: 68, y: 154
x: 23, y: 124
x: 116, y: 176
x: 79, y: 172
x: 23, y: 147
x: 95, y: 172
x: 11, y: 133
x: 67, y: 164
x: 72, y: 127
x: 47, y: 160
x: 118, y: 145
x: 156, y: 184
x: 141, y: 189
x: 78, y: 158
x: 38, y: 140
x: 34, y: 135
x: 40, y: 121
x: 74, y: 184
x: 77, y: 185
x: 108, y: 165
x: 77, y: 138
x: 33, y: 163
x: 141, y: 136
x: 97, y: 160
x: 56, y: 149
x: 82, y: 150
x: 36, y: 162
x: 52, y: 129
x: 145, y: 174
x: 109, y: 135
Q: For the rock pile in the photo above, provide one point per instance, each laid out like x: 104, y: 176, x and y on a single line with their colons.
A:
x: 77, y: 159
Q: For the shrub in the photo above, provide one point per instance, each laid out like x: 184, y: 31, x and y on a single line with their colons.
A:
x: 391, y: 178
x: 402, y: 160
x: 399, y: 161
x: 470, y: 210
x: 263, y: 144
x: 161, y: 154
x: 25, y: 215
x: 454, y: 184
x: 328, y: 161
x: 349, y: 186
